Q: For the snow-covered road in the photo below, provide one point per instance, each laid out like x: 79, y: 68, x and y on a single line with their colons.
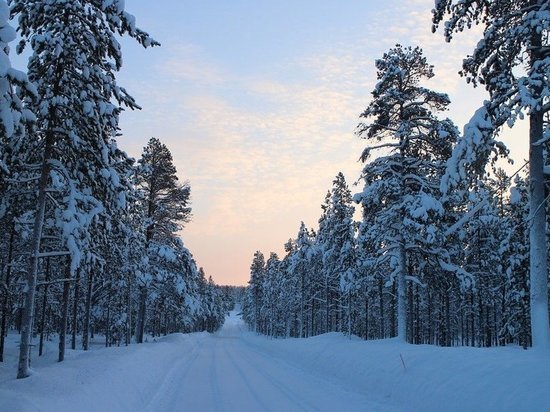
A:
x: 225, y: 373
x: 235, y: 370
x: 230, y: 370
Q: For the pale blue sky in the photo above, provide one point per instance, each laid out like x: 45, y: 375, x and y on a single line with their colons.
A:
x: 258, y: 101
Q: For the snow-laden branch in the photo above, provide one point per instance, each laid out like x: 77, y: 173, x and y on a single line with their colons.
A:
x: 462, y: 221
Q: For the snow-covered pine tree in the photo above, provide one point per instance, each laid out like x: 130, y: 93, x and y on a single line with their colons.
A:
x: 215, y: 306
x: 283, y: 295
x: 211, y: 313
x: 14, y: 87
x: 289, y: 290
x: 300, y: 269
x: 75, y: 55
x: 166, y: 209
x: 202, y: 289
x: 481, y: 258
x: 108, y: 235
x: 337, y: 242
x: 512, y: 61
x: 13, y: 114
x: 514, y: 249
x: 257, y: 274
x: 270, y: 294
x: 369, y: 275
x: 402, y: 183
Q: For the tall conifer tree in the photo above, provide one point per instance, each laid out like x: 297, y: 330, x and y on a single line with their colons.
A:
x: 402, y: 184
x: 515, y: 36
x: 166, y: 209
x: 75, y: 55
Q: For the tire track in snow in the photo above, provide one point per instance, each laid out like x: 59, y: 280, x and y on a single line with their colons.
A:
x: 245, y: 379
x: 215, y: 379
x: 319, y: 382
x: 166, y: 392
x: 295, y: 398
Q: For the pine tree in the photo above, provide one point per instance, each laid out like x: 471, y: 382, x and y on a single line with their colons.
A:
x: 166, y: 209
x: 270, y: 289
x: 14, y: 88
x: 515, y: 36
x: 257, y: 273
x: 75, y: 55
x: 402, y: 185
x: 289, y: 290
x: 336, y: 239
x: 13, y: 114
x: 301, y: 269
x: 514, y: 249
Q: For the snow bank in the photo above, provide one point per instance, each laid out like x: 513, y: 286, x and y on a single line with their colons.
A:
x: 424, y: 377
x: 103, y: 379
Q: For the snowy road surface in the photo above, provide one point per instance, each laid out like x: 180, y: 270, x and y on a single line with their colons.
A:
x: 235, y: 370
x: 224, y: 373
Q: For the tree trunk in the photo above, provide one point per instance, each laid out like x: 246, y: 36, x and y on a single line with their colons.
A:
x: 538, y: 254
x: 129, y: 312
x: 87, y: 312
x: 349, y: 313
x: 327, y: 306
x: 430, y: 320
x: 142, y: 314
x: 472, y: 319
x: 417, y: 321
x: 401, y: 294
x: 462, y: 331
x: 27, y: 320
x: 447, y: 318
x: 108, y: 320
x: 302, y: 303
x: 393, y: 312
x: 64, y: 312
x: 410, y: 313
x: 381, y: 303
x: 312, y: 332
x: 75, y: 309
x: 44, y: 303
x: 366, y: 314
x: 5, y: 300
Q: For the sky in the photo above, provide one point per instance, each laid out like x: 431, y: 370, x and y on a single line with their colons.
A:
x: 258, y: 102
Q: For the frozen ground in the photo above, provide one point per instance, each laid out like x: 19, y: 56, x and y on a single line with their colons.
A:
x: 235, y: 370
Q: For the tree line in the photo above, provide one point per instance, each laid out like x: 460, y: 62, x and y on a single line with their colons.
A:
x: 450, y: 250
x: 89, y: 237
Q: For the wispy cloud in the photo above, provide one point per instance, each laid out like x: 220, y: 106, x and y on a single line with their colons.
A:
x: 187, y: 62
x: 261, y: 149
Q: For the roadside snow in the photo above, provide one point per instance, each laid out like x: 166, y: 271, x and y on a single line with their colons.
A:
x: 106, y: 379
x: 423, y: 377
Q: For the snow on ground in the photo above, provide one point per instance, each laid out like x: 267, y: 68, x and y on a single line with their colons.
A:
x: 234, y: 370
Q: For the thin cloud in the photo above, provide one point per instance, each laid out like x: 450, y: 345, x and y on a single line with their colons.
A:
x: 262, y: 149
x: 188, y: 62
